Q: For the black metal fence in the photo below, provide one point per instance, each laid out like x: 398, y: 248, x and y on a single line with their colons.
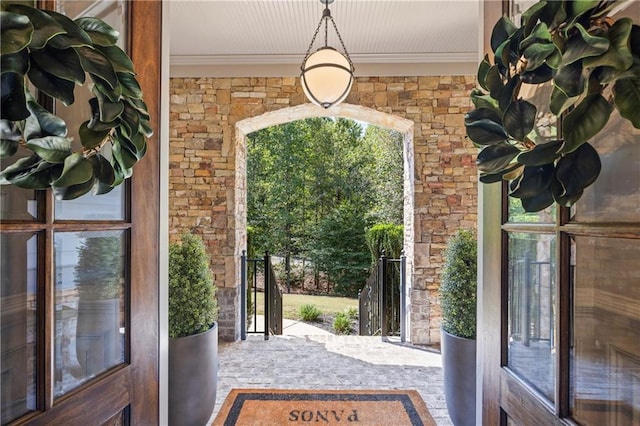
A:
x: 381, y: 302
x: 254, y: 272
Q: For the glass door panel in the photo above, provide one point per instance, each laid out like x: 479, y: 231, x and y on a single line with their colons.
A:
x: 90, y: 305
x: 532, y: 310
x: 18, y: 320
x: 605, y: 358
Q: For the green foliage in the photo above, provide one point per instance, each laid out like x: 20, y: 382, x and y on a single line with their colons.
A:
x: 352, y: 312
x: 592, y: 65
x: 52, y: 53
x: 342, y: 323
x: 385, y: 237
x: 309, y: 312
x: 458, y: 285
x: 192, y: 305
x: 99, y: 271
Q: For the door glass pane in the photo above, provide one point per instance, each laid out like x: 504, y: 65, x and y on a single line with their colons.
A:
x: 90, y: 305
x: 605, y: 357
x: 17, y: 203
x: 615, y: 195
x: 18, y: 325
x: 532, y: 310
x: 109, y: 206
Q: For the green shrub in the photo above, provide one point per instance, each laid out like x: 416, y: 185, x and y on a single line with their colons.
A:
x: 352, y: 312
x: 385, y: 237
x: 310, y: 312
x: 459, y: 284
x: 342, y: 323
x: 192, y: 305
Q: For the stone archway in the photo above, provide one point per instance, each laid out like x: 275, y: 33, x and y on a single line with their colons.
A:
x: 209, y: 121
x: 344, y: 110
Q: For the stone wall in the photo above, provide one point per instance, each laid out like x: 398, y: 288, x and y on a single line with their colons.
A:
x: 203, y: 146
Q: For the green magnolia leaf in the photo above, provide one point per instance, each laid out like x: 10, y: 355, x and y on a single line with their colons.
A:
x: 508, y: 93
x: 130, y: 86
x: 570, y: 79
x: 482, y: 113
x: 483, y: 68
x: 77, y: 169
x: 539, y: 35
x: 538, y: 202
x: 618, y: 55
x: 495, y: 158
x: 95, y: 62
x: 15, y: 32
x: 8, y: 148
x: 519, y: 119
x: 578, y: 7
x: 559, y: 101
x: 113, y: 94
x: 607, y: 75
x: 499, y: 176
x: 542, y: 74
x: 554, y: 14
x: 51, y: 85
x: 15, y: 62
x: 104, y: 173
x: 132, y: 118
x: 109, y: 111
x: 530, y: 17
x: 91, y: 138
x: 578, y: 170
x: 100, y: 32
x: 63, y: 63
x: 124, y: 157
x: 145, y: 128
x: 119, y: 60
x: 585, y: 121
x: 542, y: 154
x: 53, y: 149
x: 73, y: 191
x: 29, y: 172
x: 532, y: 182
x: 627, y: 99
x: 583, y: 45
x: 141, y: 107
x: 74, y: 36
x: 482, y: 100
x: 537, y: 54
x: 503, y: 29
x: 45, y: 28
x: 95, y: 123
x: 486, y: 132
x: 13, y: 105
x: 42, y: 123
x: 494, y: 82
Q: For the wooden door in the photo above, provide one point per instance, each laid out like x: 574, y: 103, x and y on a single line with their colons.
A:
x: 79, y: 301
x: 564, y: 348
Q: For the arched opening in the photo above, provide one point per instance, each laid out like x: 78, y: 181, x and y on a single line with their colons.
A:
x: 355, y: 112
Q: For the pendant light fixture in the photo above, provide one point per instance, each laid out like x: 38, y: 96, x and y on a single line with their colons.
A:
x: 327, y: 75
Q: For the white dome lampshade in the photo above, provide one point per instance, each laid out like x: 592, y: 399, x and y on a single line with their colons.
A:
x: 326, y: 77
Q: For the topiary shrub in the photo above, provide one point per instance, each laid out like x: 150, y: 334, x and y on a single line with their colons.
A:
x: 193, y: 308
x: 458, y: 286
x: 386, y: 237
x: 310, y: 312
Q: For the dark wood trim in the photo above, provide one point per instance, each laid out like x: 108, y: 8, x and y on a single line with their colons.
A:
x: 145, y: 51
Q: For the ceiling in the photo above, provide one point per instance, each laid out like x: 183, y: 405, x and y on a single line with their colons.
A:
x: 270, y: 37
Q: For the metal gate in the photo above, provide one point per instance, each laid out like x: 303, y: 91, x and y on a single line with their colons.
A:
x: 382, y: 304
x: 253, y: 272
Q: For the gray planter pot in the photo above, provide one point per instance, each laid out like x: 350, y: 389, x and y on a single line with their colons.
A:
x: 193, y: 378
x: 459, y: 368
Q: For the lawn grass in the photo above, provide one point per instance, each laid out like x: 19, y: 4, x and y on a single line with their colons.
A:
x: 329, y: 305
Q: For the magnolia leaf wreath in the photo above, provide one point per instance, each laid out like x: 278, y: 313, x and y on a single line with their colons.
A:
x: 52, y: 53
x: 591, y: 65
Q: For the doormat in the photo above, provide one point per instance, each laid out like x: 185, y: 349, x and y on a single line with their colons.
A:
x: 323, y: 407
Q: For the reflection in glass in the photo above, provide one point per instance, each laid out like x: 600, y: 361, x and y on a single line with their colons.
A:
x: 605, y: 358
x: 615, y: 195
x: 90, y: 312
x: 18, y: 331
x: 518, y: 215
x: 532, y: 310
x: 109, y: 206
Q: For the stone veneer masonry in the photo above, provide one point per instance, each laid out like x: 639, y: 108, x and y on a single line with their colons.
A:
x: 202, y: 184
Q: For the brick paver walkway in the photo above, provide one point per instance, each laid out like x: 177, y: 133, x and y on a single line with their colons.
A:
x: 331, y: 362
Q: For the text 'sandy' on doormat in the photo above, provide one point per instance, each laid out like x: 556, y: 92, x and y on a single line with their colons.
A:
x: 331, y: 407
